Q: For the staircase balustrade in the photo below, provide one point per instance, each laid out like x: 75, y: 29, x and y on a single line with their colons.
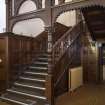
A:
x: 61, y: 46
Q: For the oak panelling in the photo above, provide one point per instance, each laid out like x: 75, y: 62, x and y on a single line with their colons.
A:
x: 16, y: 52
x: 3, y: 64
x: 90, y: 61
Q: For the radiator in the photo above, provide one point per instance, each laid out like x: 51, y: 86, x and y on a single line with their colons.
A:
x: 75, y: 78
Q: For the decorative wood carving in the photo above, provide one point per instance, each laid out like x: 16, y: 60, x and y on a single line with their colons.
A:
x: 75, y: 5
x: 55, y: 10
x: 18, y: 4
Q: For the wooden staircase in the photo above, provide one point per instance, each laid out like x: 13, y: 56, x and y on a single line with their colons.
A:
x: 29, y: 89
x: 34, y: 85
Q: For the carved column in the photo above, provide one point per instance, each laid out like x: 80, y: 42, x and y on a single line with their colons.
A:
x: 39, y: 4
x: 50, y: 84
x: 49, y: 49
x: 49, y: 3
x: 78, y: 16
x: 7, y: 15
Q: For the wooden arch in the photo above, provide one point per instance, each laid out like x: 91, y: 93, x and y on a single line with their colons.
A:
x: 22, y: 1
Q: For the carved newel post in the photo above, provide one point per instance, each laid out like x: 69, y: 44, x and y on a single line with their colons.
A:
x: 50, y: 84
x: 49, y: 49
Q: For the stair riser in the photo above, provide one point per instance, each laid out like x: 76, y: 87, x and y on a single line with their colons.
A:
x: 37, y: 70
x: 42, y: 60
x: 39, y: 65
x: 44, y: 55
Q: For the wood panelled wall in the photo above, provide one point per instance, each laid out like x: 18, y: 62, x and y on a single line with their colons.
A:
x: 90, y: 60
x: 3, y: 62
x: 15, y: 52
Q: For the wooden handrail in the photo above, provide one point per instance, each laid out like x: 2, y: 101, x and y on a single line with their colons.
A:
x: 62, y: 52
x: 61, y: 46
x: 59, y: 78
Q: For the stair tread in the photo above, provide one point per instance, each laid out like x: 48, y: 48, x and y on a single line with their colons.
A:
x: 32, y: 79
x: 35, y: 73
x: 36, y: 86
x: 38, y: 62
x: 39, y: 84
x: 37, y: 67
x: 26, y: 93
x: 37, y: 70
x: 42, y: 59
x: 17, y: 99
x: 33, y: 76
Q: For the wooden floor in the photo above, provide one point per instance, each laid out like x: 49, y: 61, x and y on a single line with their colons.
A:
x: 2, y: 103
x: 85, y: 95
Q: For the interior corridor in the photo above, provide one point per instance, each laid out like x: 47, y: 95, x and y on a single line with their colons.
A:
x: 85, y: 95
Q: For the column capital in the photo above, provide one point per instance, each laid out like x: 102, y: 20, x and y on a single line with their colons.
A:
x: 48, y: 28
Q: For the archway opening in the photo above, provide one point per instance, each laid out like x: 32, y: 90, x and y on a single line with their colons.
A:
x: 27, y: 6
x: 31, y: 27
x: 67, y: 18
